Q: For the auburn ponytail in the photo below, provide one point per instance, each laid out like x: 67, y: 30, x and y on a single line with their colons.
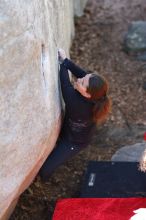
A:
x: 101, y: 110
x: 98, y: 89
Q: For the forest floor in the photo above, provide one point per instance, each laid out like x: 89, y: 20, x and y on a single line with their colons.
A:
x: 98, y: 46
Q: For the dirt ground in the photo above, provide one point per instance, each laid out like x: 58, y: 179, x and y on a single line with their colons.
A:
x: 98, y: 46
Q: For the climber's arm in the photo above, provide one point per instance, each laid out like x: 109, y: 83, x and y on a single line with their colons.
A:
x: 68, y: 91
x: 75, y: 70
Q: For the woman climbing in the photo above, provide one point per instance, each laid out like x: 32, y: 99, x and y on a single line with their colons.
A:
x: 86, y: 104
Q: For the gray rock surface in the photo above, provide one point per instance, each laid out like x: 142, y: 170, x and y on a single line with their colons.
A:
x: 30, y: 107
x: 79, y: 6
x: 130, y: 153
x: 135, y: 39
x: 142, y: 56
x: 124, y: 134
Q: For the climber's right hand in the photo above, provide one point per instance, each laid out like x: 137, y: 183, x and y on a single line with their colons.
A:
x: 61, y: 55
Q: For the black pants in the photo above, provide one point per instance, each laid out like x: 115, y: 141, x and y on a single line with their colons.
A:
x: 63, y: 151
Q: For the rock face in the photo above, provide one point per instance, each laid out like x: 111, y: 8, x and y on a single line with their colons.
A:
x: 30, y: 109
x: 136, y: 37
x: 79, y: 6
x: 130, y: 153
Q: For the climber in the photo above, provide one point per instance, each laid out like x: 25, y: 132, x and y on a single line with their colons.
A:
x: 86, y: 105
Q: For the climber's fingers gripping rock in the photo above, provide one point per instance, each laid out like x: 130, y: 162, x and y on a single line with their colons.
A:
x: 61, y: 55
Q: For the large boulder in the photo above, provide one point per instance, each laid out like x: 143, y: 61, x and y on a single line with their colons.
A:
x: 135, y: 39
x: 130, y: 153
x: 79, y: 7
x: 30, y: 107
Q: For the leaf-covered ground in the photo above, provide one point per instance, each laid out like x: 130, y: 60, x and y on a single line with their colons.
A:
x: 98, y: 46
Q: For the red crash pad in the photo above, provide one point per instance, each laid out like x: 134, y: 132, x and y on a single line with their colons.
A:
x: 97, y: 208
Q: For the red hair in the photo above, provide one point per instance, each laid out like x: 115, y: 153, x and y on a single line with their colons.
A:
x: 98, y: 89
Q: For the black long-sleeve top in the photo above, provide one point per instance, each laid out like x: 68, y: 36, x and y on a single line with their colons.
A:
x: 78, y: 125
